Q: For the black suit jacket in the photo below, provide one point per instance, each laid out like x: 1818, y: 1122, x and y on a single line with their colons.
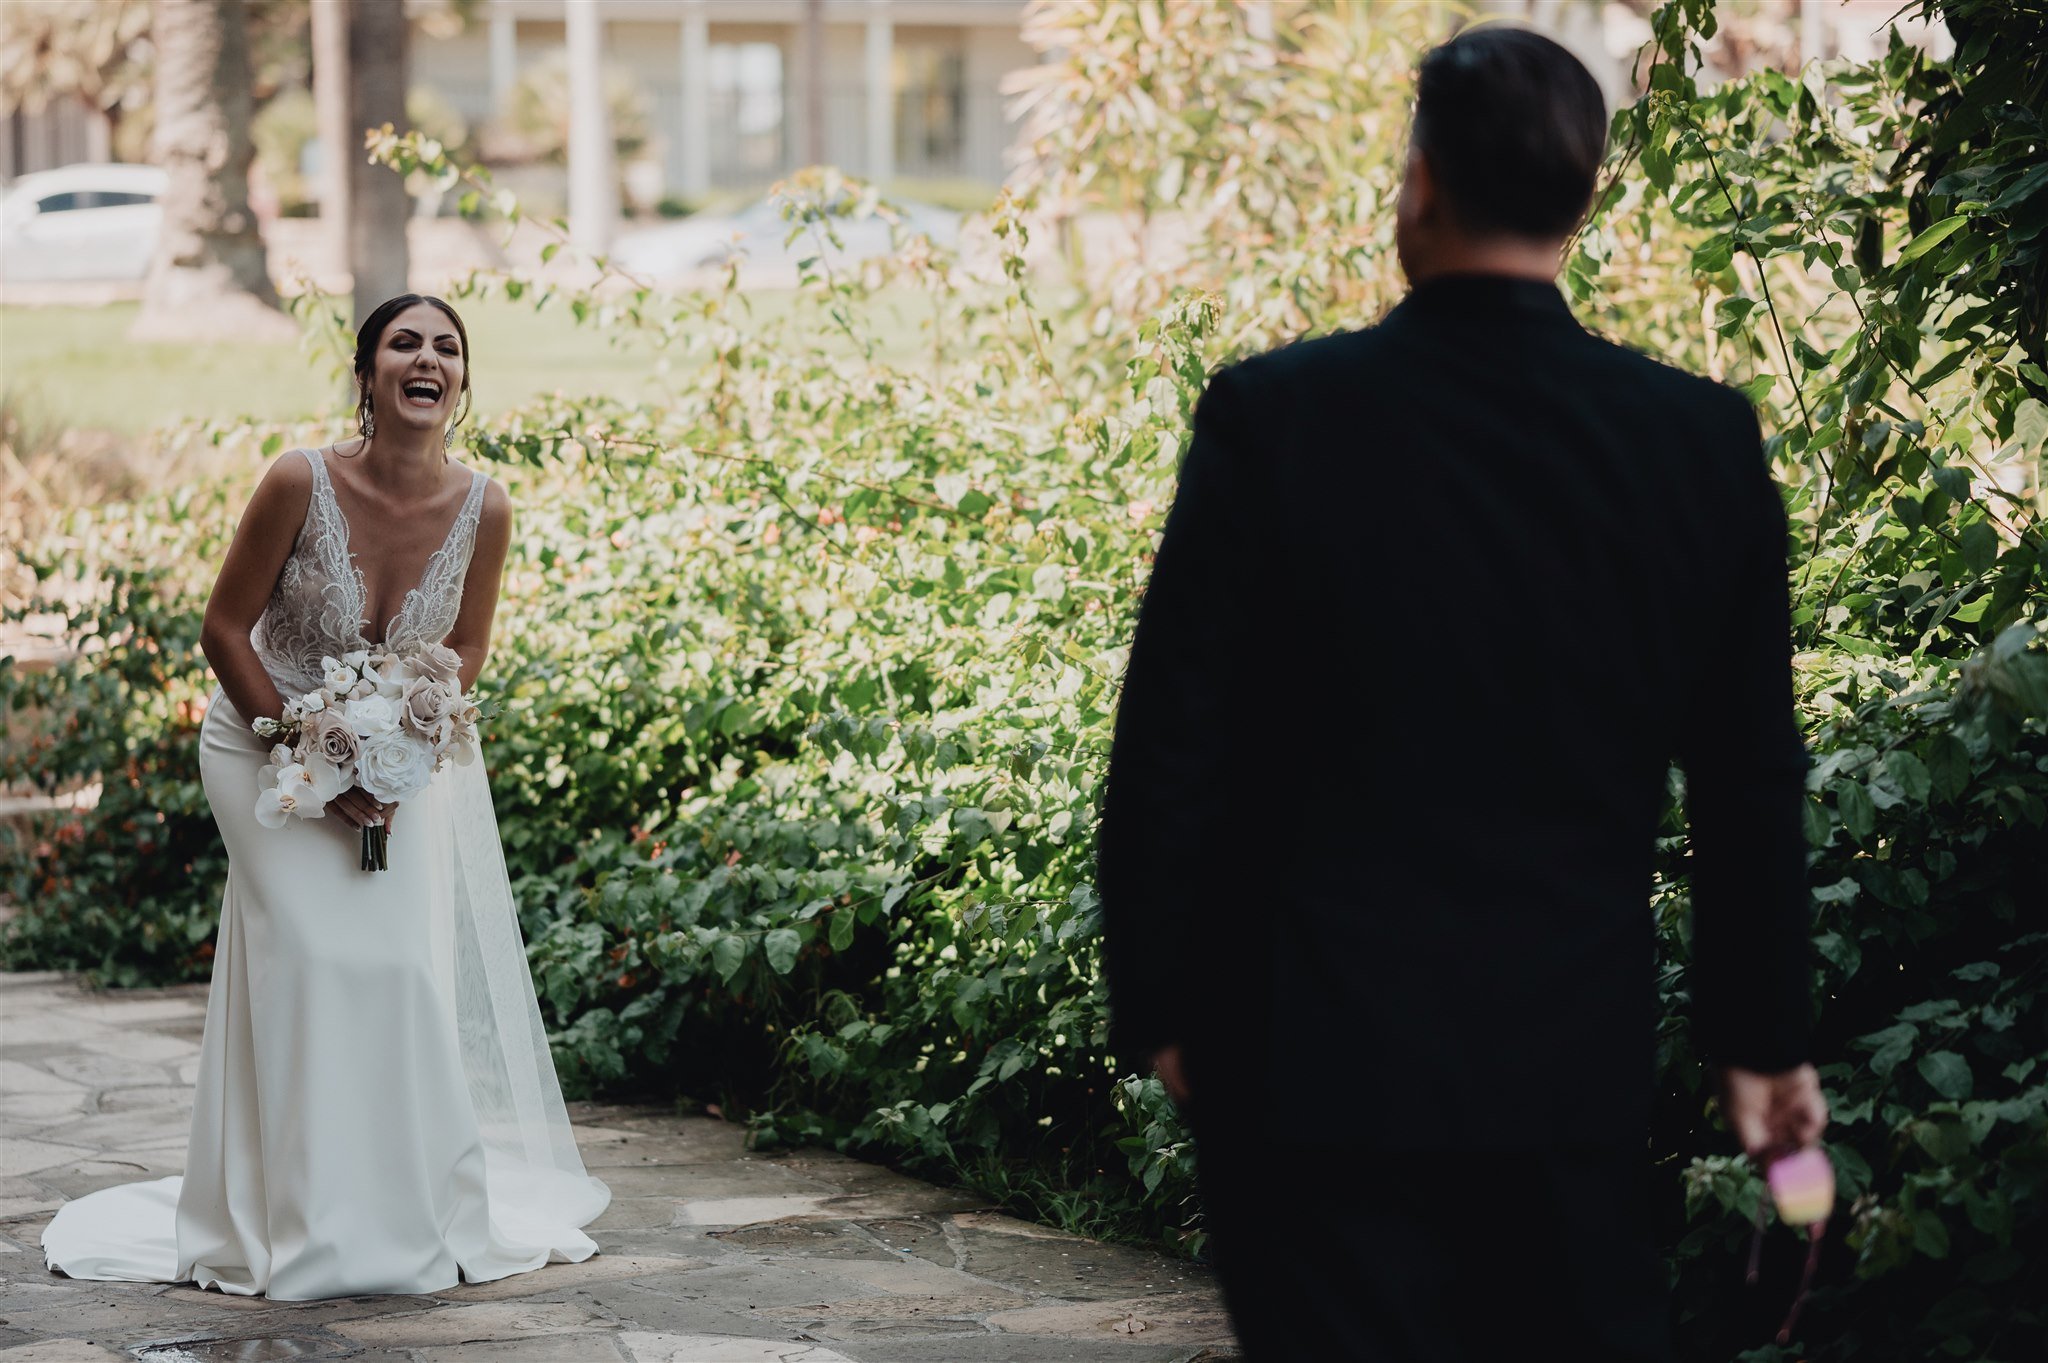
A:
x: 1437, y: 604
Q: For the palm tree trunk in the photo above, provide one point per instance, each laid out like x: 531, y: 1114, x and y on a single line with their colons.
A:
x: 331, y: 117
x: 379, y: 72
x: 209, y: 277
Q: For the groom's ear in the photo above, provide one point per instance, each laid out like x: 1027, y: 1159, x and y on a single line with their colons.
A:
x: 1421, y: 200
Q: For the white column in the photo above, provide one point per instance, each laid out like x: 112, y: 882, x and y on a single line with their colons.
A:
x: 881, y: 95
x: 504, y: 54
x: 695, y: 134
x: 593, y: 181
x: 810, y: 85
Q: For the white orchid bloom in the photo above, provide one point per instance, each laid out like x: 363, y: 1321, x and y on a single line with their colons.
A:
x: 273, y: 807
x: 328, y: 780
x: 292, y: 797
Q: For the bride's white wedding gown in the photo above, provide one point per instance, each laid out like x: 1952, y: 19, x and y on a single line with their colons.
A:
x: 376, y: 1107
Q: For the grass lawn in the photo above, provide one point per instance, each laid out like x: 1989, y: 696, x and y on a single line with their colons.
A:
x: 76, y: 368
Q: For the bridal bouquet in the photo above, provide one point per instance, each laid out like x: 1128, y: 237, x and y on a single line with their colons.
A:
x: 380, y: 720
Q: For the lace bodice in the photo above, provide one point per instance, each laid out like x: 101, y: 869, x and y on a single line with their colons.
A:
x: 320, y: 606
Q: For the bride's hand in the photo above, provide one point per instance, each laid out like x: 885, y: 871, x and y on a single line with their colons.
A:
x: 359, y: 809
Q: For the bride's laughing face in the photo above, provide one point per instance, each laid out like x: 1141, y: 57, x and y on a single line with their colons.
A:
x: 420, y: 371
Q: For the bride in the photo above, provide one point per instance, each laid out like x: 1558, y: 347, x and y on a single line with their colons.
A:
x: 376, y: 1108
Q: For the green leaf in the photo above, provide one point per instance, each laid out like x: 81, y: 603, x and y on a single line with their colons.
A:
x: 1843, y: 891
x: 1712, y: 257
x: 839, y: 931
x: 2030, y: 425
x: 1930, y: 1236
x: 1933, y: 237
x: 781, y: 947
x: 1948, y: 766
x: 1947, y: 1073
x: 1656, y: 159
x: 1818, y: 824
x: 1859, y: 815
x: 1890, y: 1047
x: 1910, y: 774
x: 1979, y: 545
x: 1758, y: 388
x: 728, y: 954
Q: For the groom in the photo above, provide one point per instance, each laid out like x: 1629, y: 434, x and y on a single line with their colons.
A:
x: 1437, y: 604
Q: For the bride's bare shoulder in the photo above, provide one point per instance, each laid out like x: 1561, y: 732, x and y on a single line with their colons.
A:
x: 286, y: 490
x: 497, y: 502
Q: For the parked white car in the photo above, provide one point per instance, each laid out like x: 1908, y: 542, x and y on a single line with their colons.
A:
x: 755, y: 234
x: 79, y: 223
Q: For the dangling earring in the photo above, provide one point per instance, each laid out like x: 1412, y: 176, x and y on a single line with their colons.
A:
x: 366, y: 417
x: 448, y: 440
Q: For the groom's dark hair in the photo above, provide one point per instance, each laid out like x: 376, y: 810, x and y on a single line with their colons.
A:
x: 1513, y: 128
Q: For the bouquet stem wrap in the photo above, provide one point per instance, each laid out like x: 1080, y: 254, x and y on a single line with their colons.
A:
x: 376, y: 842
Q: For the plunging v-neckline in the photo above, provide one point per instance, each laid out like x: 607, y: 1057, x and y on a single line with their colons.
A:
x: 348, y: 554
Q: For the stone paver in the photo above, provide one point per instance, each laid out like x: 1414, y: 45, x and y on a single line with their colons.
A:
x: 709, y: 1253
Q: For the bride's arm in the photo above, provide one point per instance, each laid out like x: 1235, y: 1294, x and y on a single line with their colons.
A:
x: 263, y: 541
x: 471, y: 636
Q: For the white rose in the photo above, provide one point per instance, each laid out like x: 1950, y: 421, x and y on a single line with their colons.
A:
x: 313, y: 702
x: 337, y: 676
x: 394, y: 766
x: 371, y: 714
x: 356, y: 658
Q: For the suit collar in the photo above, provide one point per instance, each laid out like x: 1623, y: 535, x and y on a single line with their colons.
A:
x: 1485, y: 295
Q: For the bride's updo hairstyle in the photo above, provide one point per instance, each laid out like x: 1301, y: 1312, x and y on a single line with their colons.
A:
x: 371, y: 334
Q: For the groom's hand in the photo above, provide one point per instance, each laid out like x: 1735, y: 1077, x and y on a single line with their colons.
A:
x: 1166, y: 1064
x: 1773, y: 1114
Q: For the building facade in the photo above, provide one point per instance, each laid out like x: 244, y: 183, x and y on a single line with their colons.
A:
x: 740, y: 92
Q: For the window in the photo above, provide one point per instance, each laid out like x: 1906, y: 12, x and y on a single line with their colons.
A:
x: 72, y: 200
x: 931, y: 108
x: 746, y: 97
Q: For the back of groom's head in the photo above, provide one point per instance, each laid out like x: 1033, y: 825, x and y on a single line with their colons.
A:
x: 1512, y: 127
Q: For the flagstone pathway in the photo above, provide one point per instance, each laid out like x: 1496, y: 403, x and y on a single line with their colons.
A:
x: 709, y: 1253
